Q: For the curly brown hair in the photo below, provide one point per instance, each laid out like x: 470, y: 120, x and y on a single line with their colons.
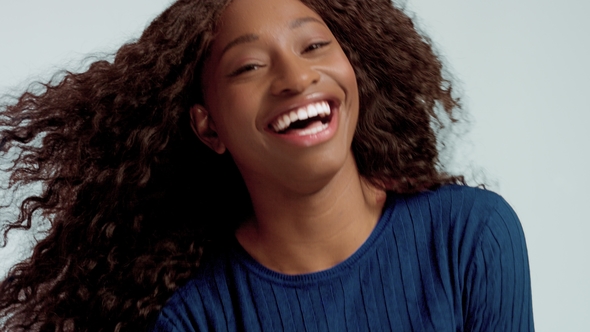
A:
x: 117, y: 156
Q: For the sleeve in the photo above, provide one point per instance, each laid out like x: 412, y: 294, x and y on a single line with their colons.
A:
x: 497, y: 296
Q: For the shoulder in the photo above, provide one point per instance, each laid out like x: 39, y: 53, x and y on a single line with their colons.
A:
x: 454, y: 221
x: 456, y: 197
x: 471, y: 209
x: 183, y: 310
x: 203, y: 299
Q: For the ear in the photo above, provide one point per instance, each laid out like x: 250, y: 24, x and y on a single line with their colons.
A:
x: 204, y: 128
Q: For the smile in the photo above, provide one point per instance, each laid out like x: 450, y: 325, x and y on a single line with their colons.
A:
x: 306, y: 120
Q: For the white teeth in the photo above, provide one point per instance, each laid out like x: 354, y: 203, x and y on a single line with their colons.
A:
x: 313, y: 130
x: 302, y: 114
x: 312, y: 111
x: 309, y: 111
x: 286, y: 121
x: 281, y: 123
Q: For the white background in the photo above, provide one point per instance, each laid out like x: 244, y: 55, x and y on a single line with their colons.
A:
x: 522, y: 67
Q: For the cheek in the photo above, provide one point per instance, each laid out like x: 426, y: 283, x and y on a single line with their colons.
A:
x: 345, y: 73
x: 235, y: 117
x: 349, y: 76
x: 232, y: 107
x: 348, y: 79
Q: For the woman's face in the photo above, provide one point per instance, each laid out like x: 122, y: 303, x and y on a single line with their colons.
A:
x: 280, y: 94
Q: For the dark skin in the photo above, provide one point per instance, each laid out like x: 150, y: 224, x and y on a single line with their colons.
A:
x: 312, y: 207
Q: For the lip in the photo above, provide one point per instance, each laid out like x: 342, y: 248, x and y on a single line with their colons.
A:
x: 312, y: 139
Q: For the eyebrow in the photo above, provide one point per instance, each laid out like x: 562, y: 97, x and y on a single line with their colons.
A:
x: 240, y: 40
x: 248, y: 38
x: 301, y: 21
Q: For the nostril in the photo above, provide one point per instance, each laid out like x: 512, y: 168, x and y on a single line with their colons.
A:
x: 294, y: 83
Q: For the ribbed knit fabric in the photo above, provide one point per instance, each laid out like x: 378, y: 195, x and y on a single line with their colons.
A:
x: 453, y: 259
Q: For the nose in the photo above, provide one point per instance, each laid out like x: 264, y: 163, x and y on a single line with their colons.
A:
x: 294, y: 75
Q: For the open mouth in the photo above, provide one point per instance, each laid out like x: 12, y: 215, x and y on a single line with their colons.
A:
x: 307, y: 120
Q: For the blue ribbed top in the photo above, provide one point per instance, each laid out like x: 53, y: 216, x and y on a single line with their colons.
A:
x: 453, y: 259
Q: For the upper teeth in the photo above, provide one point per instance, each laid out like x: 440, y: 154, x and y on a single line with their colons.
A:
x: 283, y: 122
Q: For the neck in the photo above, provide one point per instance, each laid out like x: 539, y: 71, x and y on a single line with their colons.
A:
x: 296, y: 233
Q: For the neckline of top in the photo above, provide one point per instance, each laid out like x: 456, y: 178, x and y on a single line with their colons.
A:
x: 252, y: 265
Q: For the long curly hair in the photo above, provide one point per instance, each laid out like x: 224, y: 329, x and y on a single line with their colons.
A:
x: 134, y: 199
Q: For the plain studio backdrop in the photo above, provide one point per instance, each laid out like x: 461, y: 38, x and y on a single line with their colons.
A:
x: 522, y: 68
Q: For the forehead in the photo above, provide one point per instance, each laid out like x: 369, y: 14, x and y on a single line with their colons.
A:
x: 243, y: 17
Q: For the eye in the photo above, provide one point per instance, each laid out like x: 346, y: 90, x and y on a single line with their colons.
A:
x: 316, y: 46
x: 245, y: 68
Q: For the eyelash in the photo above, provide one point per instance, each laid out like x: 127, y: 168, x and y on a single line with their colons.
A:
x: 243, y: 69
x: 316, y: 46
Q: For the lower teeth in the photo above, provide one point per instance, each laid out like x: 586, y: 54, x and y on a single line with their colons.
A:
x: 313, y: 130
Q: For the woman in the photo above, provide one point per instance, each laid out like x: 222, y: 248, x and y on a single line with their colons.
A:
x: 314, y: 196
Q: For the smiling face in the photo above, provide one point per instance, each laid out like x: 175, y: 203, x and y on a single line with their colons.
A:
x: 280, y: 94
